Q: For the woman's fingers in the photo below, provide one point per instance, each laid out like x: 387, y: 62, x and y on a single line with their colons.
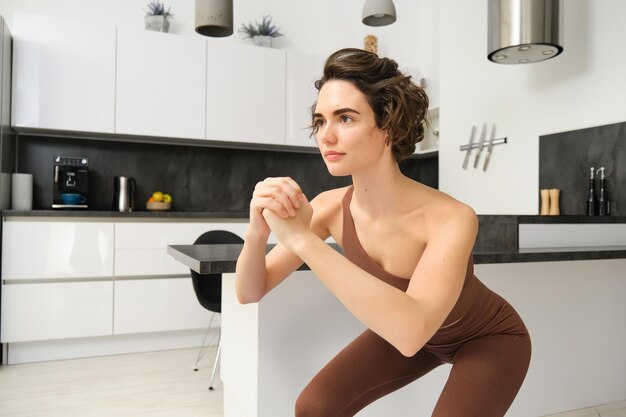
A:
x: 273, y: 205
x: 285, y: 191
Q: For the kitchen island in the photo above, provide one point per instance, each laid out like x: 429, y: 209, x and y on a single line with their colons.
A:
x: 271, y: 349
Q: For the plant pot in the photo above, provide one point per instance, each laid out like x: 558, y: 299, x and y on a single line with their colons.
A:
x: 157, y: 23
x: 262, y: 41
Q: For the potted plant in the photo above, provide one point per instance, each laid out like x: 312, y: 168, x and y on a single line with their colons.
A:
x: 261, y: 33
x: 157, y: 17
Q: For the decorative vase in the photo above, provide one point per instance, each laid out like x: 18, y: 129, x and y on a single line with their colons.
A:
x: 157, y: 23
x: 262, y: 41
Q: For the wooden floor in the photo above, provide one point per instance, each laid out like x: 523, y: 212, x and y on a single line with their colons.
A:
x: 145, y: 384
x: 156, y: 384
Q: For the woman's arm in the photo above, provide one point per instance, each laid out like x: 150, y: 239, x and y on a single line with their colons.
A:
x: 256, y: 273
x: 406, y: 320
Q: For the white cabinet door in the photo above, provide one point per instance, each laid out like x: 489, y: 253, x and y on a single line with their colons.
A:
x: 157, y: 305
x: 47, y: 311
x: 49, y: 250
x: 302, y: 71
x: 63, y: 74
x: 245, y: 93
x: 161, y: 84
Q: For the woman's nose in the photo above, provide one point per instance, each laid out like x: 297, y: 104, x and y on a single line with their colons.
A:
x: 326, y: 134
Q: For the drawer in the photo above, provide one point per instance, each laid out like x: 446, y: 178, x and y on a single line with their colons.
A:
x: 157, y: 305
x: 571, y: 235
x: 36, y: 250
x: 47, y: 311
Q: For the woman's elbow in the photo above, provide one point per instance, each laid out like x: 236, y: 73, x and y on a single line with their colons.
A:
x: 246, y: 298
x: 412, y: 340
x: 409, y: 349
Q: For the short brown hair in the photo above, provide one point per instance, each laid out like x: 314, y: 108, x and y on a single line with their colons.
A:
x: 400, y: 106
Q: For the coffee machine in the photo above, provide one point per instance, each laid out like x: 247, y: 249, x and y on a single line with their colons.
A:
x: 70, y: 185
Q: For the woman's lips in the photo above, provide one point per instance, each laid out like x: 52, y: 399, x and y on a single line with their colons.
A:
x: 333, y: 155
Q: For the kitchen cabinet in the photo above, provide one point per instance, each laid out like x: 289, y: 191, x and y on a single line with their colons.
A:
x: 63, y: 74
x: 161, y: 84
x: 245, y: 93
x: 303, y: 69
x: 57, y: 280
x: 56, y: 310
x: 50, y: 250
x: 81, y: 77
x: 65, y: 281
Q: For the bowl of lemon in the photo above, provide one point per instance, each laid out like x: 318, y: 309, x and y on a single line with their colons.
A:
x: 159, y: 201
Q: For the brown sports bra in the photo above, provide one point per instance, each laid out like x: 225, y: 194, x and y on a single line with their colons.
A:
x: 356, y: 253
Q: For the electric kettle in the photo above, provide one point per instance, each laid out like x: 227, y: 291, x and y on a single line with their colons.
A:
x: 123, y: 193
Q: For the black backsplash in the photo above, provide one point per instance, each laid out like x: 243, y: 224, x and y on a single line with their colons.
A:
x: 565, y: 159
x: 198, y: 178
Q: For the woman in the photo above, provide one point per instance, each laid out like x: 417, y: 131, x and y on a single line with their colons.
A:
x: 407, y: 273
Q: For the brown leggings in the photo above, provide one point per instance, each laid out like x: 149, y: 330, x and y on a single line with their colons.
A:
x: 486, y: 375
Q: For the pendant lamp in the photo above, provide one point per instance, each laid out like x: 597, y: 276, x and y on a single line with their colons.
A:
x: 379, y: 12
x: 214, y: 18
x: 525, y: 31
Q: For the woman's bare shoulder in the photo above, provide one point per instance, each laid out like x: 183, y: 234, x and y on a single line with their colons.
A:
x: 327, y: 207
x: 329, y: 199
x: 445, y: 211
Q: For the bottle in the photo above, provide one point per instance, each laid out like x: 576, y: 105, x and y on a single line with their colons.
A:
x: 591, y: 198
x: 603, y: 200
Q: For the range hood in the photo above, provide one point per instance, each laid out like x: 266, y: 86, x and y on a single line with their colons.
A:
x: 525, y: 31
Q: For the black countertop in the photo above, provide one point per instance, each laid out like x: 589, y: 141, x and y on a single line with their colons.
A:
x: 140, y: 214
x: 215, y: 259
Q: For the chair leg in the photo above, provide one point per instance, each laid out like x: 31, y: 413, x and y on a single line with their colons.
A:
x: 216, y: 364
x: 217, y: 355
x: 202, y: 347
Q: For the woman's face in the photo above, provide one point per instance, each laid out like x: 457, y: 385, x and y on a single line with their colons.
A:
x: 347, y: 135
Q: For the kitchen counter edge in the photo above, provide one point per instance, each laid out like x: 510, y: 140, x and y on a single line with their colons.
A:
x: 127, y: 215
x: 217, y: 259
x: 484, y: 218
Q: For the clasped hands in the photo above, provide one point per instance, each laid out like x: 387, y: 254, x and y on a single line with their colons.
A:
x: 279, y: 205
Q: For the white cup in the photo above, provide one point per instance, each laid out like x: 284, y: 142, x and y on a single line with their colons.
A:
x: 5, y: 191
x: 22, y: 192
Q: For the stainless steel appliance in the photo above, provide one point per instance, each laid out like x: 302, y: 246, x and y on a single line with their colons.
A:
x: 71, y: 182
x: 123, y: 193
x: 524, y: 31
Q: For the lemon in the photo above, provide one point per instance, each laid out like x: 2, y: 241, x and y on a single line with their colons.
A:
x: 158, y: 196
x: 167, y: 198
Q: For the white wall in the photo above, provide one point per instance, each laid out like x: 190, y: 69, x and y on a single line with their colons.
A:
x: 320, y: 26
x: 585, y: 86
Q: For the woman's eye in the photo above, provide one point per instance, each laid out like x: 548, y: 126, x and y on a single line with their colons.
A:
x: 345, y: 118
x: 318, y: 123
